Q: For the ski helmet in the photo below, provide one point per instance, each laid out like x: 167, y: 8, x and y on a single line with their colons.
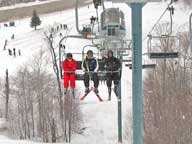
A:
x: 89, y: 52
x: 69, y: 55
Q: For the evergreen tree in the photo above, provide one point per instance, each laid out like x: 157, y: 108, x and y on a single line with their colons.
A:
x: 35, y: 20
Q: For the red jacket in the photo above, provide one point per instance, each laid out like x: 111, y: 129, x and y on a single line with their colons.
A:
x: 69, y: 65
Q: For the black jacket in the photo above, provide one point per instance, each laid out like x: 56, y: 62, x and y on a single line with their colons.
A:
x: 112, y: 64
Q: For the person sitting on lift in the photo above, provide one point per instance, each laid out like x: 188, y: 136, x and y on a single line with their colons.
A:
x: 112, y: 65
x: 69, y: 67
x: 90, y: 66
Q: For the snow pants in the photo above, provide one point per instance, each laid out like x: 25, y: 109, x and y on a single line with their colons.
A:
x: 67, y: 78
x: 112, y: 77
x: 91, y: 76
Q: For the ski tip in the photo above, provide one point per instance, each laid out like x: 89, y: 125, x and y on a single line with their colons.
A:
x: 100, y: 99
x: 82, y: 98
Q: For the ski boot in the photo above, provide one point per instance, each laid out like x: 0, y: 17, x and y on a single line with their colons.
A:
x: 109, y: 91
x: 86, y: 90
x: 96, y: 90
x: 65, y: 91
x: 73, y: 92
x: 116, y: 91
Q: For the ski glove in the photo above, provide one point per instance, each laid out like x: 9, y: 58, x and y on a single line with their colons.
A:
x: 70, y: 72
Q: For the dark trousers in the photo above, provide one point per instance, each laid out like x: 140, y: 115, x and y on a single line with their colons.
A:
x: 112, y: 77
x: 91, y: 76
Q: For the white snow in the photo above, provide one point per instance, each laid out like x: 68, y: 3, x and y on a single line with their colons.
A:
x: 26, y: 4
x: 100, y: 119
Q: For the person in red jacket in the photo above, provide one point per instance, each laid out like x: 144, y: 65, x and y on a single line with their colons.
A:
x: 69, y: 67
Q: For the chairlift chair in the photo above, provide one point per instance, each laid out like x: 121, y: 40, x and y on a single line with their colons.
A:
x: 101, y: 71
x: 144, y: 66
x: 87, y: 30
x: 146, y: 63
x: 160, y: 54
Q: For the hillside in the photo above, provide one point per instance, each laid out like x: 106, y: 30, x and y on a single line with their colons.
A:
x: 24, y: 10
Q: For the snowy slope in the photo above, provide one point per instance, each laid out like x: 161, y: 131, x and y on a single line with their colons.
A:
x: 100, y: 119
x: 26, y: 4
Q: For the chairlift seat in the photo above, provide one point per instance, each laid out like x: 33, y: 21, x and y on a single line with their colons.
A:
x: 163, y: 55
x: 144, y: 66
x: 101, y: 73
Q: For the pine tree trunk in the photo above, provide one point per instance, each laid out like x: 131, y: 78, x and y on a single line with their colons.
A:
x: 33, y: 121
x: 53, y: 131
x: 7, y: 95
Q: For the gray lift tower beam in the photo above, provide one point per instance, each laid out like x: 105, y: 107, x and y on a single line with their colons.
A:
x: 136, y: 7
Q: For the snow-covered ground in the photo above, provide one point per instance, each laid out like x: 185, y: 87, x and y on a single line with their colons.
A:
x: 26, y: 4
x: 100, y: 119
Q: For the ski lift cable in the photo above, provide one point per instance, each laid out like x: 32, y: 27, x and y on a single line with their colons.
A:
x: 103, y: 4
x: 171, y: 12
x: 149, y: 44
x: 167, y: 8
x: 97, y: 19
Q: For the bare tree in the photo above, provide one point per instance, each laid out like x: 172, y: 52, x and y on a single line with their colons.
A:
x: 37, y: 108
x: 167, y: 97
x: 69, y: 108
x: 187, y: 2
x: 34, y: 91
x: 56, y: 70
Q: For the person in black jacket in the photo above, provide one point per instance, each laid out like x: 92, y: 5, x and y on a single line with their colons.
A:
x: 90, y: 66
x: 112, y: 65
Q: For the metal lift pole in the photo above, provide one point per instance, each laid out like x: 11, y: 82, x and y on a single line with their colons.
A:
x: 77, y: 17
x: 119, y: 115
x: 137, y: 73
x: 190, y: 31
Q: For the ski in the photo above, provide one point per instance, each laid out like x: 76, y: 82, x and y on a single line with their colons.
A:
x: 98, y: 96
x: 83, y: 97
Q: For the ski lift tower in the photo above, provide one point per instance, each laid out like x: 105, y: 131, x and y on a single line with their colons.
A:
x: 136, y: 7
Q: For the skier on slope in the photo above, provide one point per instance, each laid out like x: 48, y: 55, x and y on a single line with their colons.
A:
x: 112, y: 65
x: 90, y: 66
x: 69, y: 67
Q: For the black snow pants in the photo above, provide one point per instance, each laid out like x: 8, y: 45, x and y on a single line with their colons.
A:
x: 91, y: 76
x: 112, y: 77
